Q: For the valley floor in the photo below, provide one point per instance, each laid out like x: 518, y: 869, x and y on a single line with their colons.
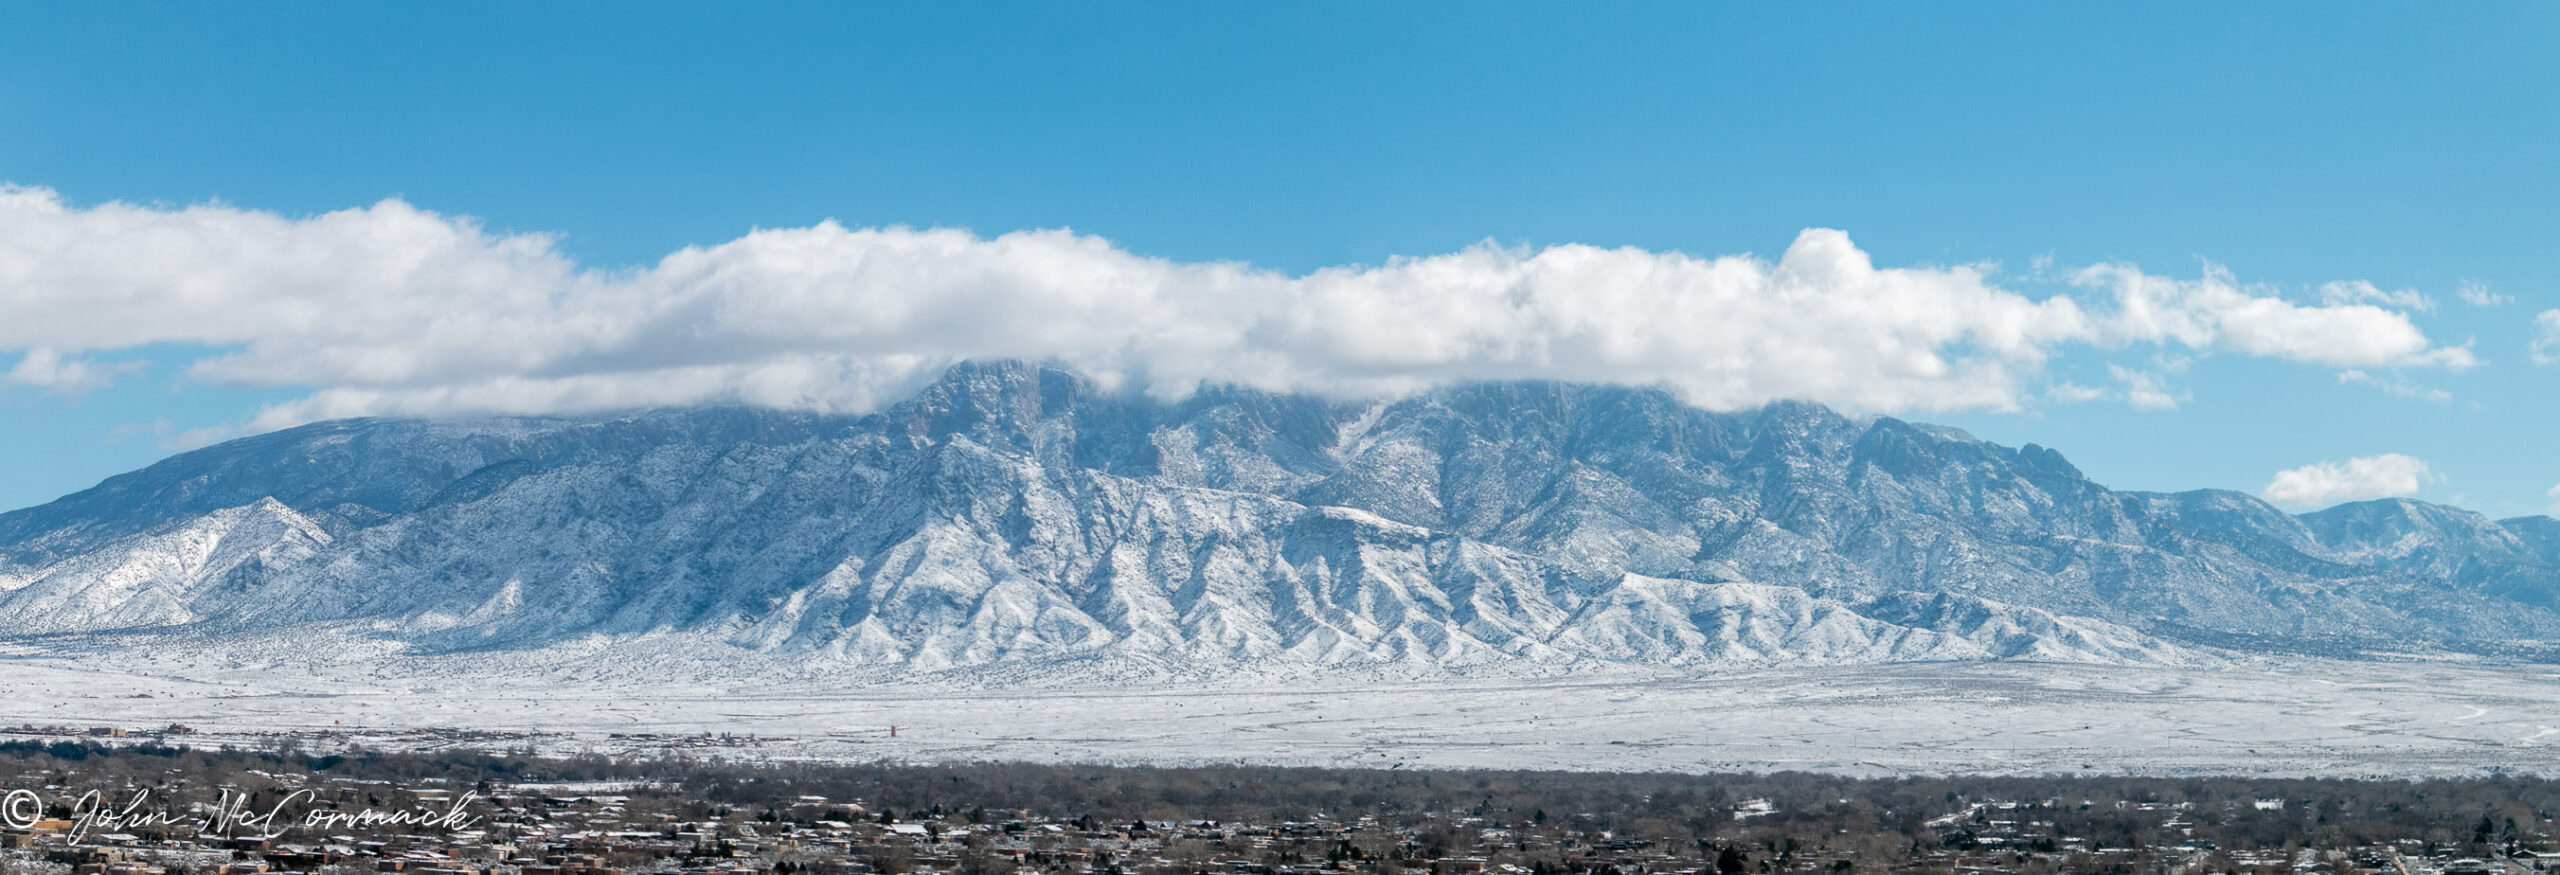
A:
x: 2307, y: 718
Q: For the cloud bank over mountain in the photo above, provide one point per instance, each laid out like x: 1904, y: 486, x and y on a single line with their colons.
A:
x: 392, y: 309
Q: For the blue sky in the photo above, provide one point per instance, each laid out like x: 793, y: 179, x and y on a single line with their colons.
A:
x: 2289, y: 145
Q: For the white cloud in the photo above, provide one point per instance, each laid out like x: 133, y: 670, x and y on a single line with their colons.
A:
x: 2554, y: 493
x: 46, y: 369
x: 2363, y: 292
x: 2146, y: 390
x: 2546, y: 338
x: 2214, y: 312
x: 2069, y: 392
x: 390, y: 309
x: 2388, y: 475
x: 2477, y: 294
x: 2394, y: 386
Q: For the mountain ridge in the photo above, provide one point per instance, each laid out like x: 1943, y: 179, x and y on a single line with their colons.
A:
x: 1012, y: 512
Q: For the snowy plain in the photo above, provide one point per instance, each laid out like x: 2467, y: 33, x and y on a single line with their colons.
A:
x: 2260, y: 717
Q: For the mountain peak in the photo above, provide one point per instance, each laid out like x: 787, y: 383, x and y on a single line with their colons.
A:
x: 995, y: 401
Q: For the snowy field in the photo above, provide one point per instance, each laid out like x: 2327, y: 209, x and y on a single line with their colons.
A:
x: 2297, y: 718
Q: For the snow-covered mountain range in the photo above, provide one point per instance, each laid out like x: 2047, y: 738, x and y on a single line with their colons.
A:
x: 1013, y: 513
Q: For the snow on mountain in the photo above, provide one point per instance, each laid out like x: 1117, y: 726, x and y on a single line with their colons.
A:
x: 156, y: 578
x: 2435, y: 542
x: 1011, y: 513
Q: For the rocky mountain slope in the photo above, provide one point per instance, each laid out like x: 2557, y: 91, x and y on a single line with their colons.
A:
x: 1014, y: 513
